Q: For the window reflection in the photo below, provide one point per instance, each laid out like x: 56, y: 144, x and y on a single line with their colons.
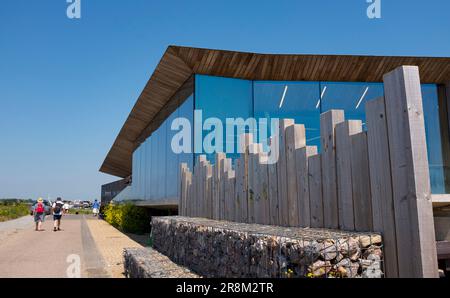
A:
x: 295, y: 100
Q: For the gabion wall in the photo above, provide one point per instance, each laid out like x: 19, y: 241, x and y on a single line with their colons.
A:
x: 226, y: 249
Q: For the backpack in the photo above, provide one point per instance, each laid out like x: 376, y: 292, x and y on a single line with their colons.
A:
x: 57, y: 208
x: 40, y: 208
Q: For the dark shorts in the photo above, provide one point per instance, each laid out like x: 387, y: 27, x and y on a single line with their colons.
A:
x: 57, y: 217
x: 39, y: 217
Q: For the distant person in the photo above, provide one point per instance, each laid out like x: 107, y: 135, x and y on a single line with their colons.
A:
x: 95, y: 208
x: 39, y: 213
x: 57, y: 214
x: 66, y: 208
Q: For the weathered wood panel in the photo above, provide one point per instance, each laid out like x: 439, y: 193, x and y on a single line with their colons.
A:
x: 328, y: 121
x: 274, y: 210
x: 362, y: 205
x: 282, y: 173
x: 410, y: 174
x: 315, y: 191
x: 344, y: 171
x: 295, y: 139
x: 303, y: 201
x: 381, y: 185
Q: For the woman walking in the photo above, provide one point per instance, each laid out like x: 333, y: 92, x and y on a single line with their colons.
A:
x: 39, y: 214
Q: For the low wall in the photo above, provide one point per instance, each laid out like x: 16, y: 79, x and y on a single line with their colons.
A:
x: 225, y: 249
x: 148, y: 263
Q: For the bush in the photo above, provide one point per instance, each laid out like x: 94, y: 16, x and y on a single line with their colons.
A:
x: 13, y: 210
x: 128, y: 218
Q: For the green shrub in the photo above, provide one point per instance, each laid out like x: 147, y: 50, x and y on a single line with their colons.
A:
x: 128, y: 218
x: 13, y: 210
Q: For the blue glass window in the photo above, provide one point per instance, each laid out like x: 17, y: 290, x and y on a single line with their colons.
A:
x: 294, y: 100
x: 223, y: 98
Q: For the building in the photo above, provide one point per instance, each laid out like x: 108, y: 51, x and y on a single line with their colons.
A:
x: 226, y: 84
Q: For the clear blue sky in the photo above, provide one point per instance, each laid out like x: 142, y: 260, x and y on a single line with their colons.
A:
x: 67, y: 86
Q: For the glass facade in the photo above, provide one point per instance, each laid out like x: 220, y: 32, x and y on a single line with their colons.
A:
x: 156, y: 166
x: 304, y: 102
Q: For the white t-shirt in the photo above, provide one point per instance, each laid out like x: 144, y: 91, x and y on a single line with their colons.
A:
x: 54, y: 206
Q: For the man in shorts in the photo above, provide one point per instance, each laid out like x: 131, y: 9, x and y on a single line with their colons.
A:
x: 57, y: 214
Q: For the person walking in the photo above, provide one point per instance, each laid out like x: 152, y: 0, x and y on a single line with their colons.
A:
x: 57, y: 214
x: 39, y: 214
x: 66, y: 207
x: 95, y: 208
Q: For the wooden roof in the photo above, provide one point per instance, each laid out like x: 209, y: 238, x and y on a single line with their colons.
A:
x: 179, y: 63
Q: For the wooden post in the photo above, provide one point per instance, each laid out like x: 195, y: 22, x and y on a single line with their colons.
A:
x: 274, y: 211
x: 301, y: 160
x: 295, y: 139
x: 328, y: 121
x: 208, y: 190
x: 262, y: 191
x: 238, y: 191
x: 183, y: 188
x: 216, y: 185
x: 344, y: 131
x: 417, y: 256
x: 282, y: 174
x: 315, y: 191
x: 247, y: 141
x: 381, y: 185
x: 362, y: 205
x: 252, y: 180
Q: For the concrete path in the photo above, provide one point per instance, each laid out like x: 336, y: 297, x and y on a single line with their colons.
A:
x: 27, y: 253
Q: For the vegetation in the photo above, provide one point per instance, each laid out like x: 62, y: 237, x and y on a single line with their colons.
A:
x: 12, y: 209
x: 80, y: 211
x: 127, y: 218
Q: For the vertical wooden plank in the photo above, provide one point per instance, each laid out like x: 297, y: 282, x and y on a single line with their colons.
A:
x: 216, y: 185
x: 282, y: 173
x: 246, y: 141
x: 410, y: 174
x: 208, y: 190
x: 252, y: 180
x: 380, y: 179
x: 362, y: 206
x: 274, y: 211
x: 238, y: 190
x: 295, y: 139
x: 263, y: 189
x: 189, y: 193
x: 182, y: 192
x: 301, y: 160
x: 227, y: 197
x: 344, y: 131
x: 328, y: 121
x: 315, y: 190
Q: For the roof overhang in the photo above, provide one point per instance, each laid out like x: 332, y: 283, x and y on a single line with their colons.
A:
x: 178, y: 64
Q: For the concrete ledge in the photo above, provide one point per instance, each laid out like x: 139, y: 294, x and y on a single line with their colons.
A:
x: 226, y: 249
x: 148, y: 263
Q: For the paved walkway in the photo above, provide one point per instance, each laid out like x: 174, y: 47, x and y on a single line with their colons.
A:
x: 27, y: 253
x: 111, y: 243
x: 98, y: 246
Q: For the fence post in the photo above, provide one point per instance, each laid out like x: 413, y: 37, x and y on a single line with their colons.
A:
x: 328, y: 121
x: 344, y: 131
x: 381, y: 184
x: 417, y: 256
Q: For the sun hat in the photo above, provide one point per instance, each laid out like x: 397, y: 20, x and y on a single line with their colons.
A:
x: 40, y: 200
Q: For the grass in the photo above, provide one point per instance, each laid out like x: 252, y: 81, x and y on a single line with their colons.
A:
x: 14, y: 210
